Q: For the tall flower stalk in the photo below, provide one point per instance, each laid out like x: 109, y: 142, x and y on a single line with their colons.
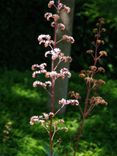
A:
x: 92, y: 84
x: 47, y: 120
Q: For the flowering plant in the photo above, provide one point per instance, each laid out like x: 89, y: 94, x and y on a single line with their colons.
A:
x: 92, y: 83
x: 47, y: 120
x: 57, y: 57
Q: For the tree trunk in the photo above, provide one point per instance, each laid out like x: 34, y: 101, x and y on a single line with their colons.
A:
x: 61, y: 86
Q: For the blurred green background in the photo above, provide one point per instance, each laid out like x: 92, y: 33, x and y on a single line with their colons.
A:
x: 20, y: 24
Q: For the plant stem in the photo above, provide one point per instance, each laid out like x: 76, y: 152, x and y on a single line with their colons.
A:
x: 51, y: 140
x: 79, y: 134
x: 87, y: 97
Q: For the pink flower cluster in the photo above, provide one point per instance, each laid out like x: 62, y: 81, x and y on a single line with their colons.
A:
x: 42, y: 84
x: 41, y: 119
x: 69, y: 39
x: 56, y: 53
x: 45, y: 39
x: 68, y: 102
x: 60, y: 6
x: 64, y: 72
x: 41, y: 68
x: 49, y: 15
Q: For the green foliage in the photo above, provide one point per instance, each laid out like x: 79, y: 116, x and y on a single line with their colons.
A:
x: 29, y: 146
x: 19, y: 101
x: 101, y: 10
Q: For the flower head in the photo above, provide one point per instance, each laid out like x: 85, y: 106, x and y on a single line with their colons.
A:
x: 97, y: 101
x: 69, y: 39
x: 50, y: 4
x: 45, y: 39
x: 54, y: 52
x: 68, y: 102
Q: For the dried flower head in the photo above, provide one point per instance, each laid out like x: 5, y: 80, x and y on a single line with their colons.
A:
x: 97, y: 101
x: 101, y: 20
x: 103, y: 53
x: 98, y: 83
x: 82, y: 75
x: 88, y: 79
x: 101, y: 69
x: 93, y: 68
x: 90, y: 51
x: 74, y: 94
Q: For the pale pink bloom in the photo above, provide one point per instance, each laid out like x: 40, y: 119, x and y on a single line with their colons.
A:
x: 47, y: 43
x: 46, y: 40
x: 55, y: 17
x: 34, y: 66
x: 41, y: 66
x: 48, y: 15
x: 55, y: 53
x: 39, y: 83
x: 52, y: 74
x: 46, y: 116
x: 68, y: 38
x: 68, y: 102
x: 34, y: 119
x: 61, y: 121
x: 64, y: 58
x: 65, y: 72
x: 48, y: 83
x: 34, y: 74
x: 42, y: 84
x: 62, y: 26
x: 44, y: 37
x: 53, y: 24
x: 67, y: 9
x: 60, y: 6
x: 50, y: 4
x: 51, y: 114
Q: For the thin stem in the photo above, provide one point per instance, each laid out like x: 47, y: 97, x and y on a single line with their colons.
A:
x: 87, y: 97
x: 51, y: 140
x: 79, y: 134
x: 59, y: 109
x: 47, y: 91
x: 90, y: 109
x: 53, y: 91
x: 59, y: 41
x: 97, y: 46
x: 57, y: 64
x: 81, y: 110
